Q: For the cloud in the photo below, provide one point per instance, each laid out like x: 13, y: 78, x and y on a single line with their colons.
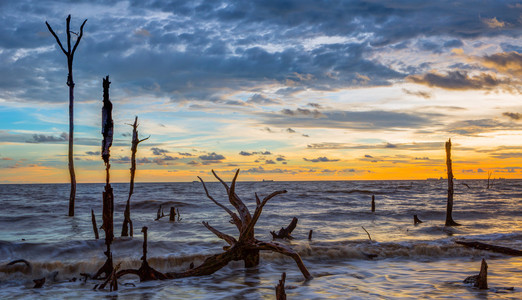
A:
x: 184, y: 154
x: 460, y: 80
x: 425, y: 95
x: 362, y: 120
x: 270, y: 162
x: 494, y: 23
x: 262, y: 100
x: 41, y: 138
x: 245, y: 153
x: 158, y: 151
x: 93, y: 153
x: 513, y: 116
x: 398, y: 146
x: 422, y: 158
x: 290, y: 130
x: 320, y: 159
x: 474, y: 127
x: 280, y: 158
x: 506, y: 62
x: 302, y: 112
x: 368, y: 156
x: 212, y: 157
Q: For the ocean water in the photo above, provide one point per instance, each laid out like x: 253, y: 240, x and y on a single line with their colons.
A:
x: 411, y: 262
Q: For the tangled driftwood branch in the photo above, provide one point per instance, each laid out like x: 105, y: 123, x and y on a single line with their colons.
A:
x: 246, y: 247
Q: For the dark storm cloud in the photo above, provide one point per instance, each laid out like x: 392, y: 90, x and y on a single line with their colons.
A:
x: 364, y: 120
x: 202, y: 50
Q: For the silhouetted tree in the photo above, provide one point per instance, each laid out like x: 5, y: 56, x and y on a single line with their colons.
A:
x: 70, y: 83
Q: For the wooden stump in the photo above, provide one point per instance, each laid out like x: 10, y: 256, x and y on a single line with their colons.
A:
x: 481, y: 280
x: 280, y: 288
x: 373, y: 203
x: 416, y: 220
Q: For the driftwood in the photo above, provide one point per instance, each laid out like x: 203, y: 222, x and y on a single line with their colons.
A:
x: 280, y: 288
x: 38, y: 283
x: 145, y: 272
x: 284, y: 233
x: 246, y: 247
x: 367, y: 233
x: 416, y: 220
x: 108, y: 197
x: 127, y: 222
x: 373, y: 203
x: 94, y: 226
x: 492, y: 248
x: 310, y: 234
x: 70, y: 83
x: 481, y: 280
x: 449, y: 206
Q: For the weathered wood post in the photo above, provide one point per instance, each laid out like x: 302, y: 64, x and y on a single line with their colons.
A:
x: 373, y: 203
x: 449, y: 206
x: 70, y: 83
x: 94, y: 226
x: 172, y: 216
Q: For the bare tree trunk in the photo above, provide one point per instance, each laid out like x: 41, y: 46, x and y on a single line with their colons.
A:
x: 449, y: 207
x: 70, y: 83
x: 108, y: 197
x: 127, y: 222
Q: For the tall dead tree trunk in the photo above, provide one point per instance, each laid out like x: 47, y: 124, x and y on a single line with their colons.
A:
x: 108, y: 197
x: 449, y: 206
x: 70, y: 83
x: 127, y: 222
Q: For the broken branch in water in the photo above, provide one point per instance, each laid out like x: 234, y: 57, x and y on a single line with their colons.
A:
x: 489, y: 247
x: 367, y: 233
x: 284, y: 233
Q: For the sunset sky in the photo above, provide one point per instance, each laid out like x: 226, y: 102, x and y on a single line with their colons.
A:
x: 283, y: 90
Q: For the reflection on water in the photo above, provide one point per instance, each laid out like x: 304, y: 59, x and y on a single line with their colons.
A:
x: 410, y: 261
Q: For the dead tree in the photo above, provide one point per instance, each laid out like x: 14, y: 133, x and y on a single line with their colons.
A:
x: 108, y: 197
x: 94, y: 226
x: 127, y: 222
x: 70, y: 83
x: 284, y: 233
x: 416, y: 220
x: 449, y: 206
x: 246, y: 247
x: 481, y: 280
x: 280, y: 288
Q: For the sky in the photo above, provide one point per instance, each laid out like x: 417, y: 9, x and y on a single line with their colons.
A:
x: 281, y: 89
